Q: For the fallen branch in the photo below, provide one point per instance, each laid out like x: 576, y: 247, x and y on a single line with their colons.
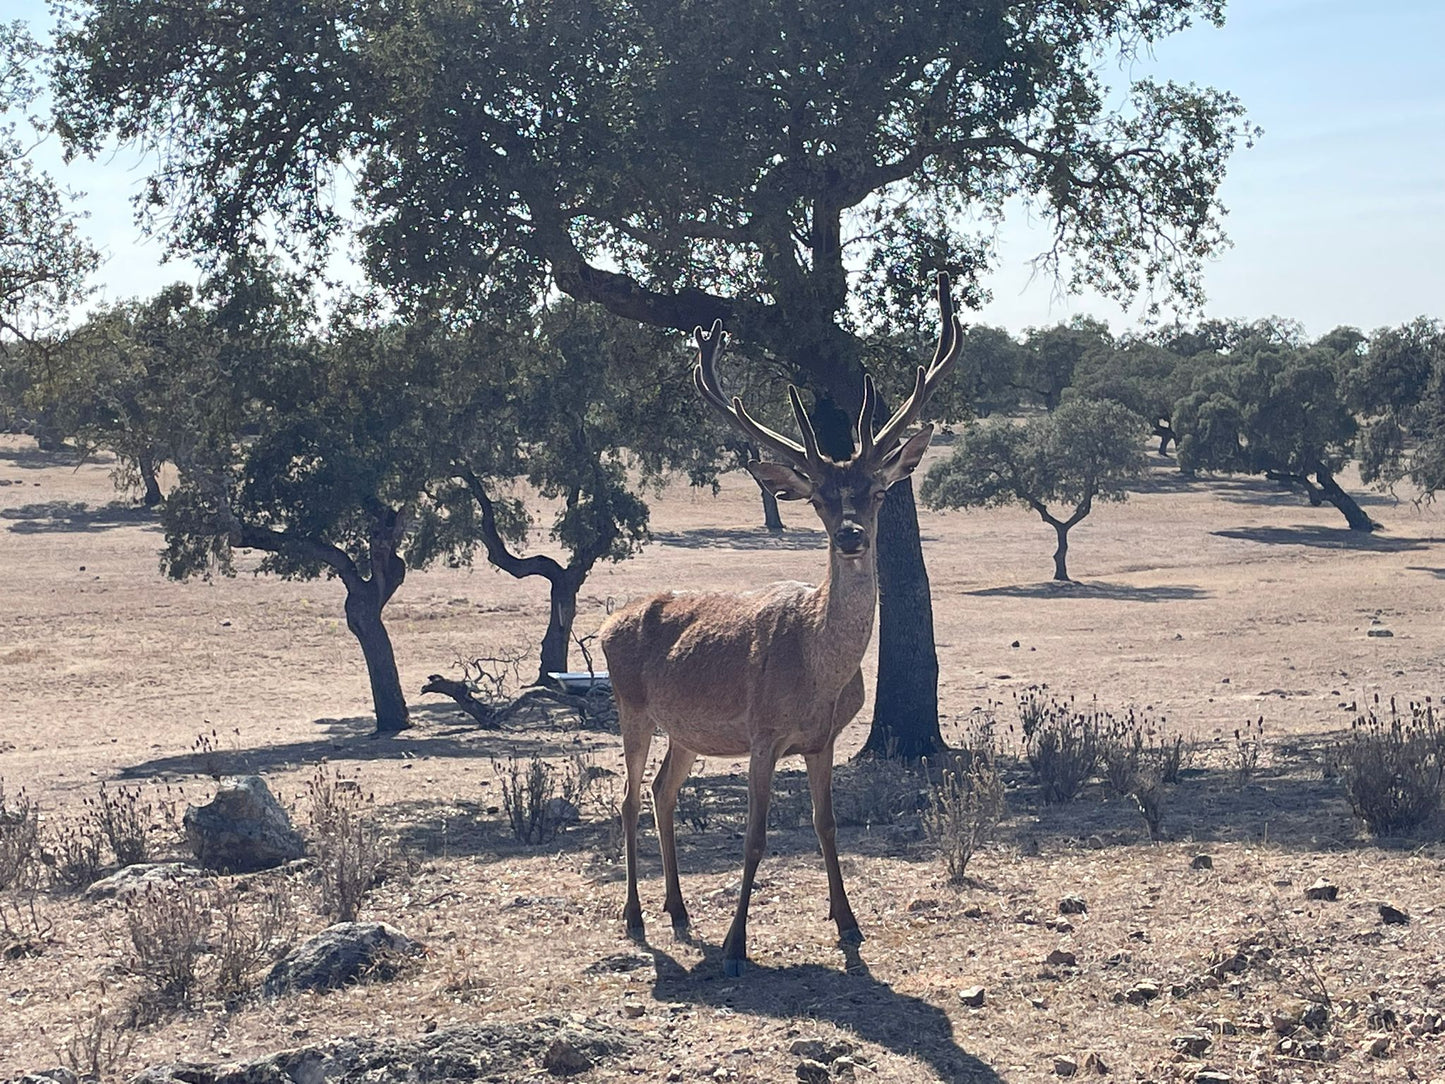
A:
x: 484, y: 714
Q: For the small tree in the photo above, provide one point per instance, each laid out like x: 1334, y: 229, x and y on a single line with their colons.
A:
x: 1398, y: 389
x: 1082, y: 452
x: 1142, y: 375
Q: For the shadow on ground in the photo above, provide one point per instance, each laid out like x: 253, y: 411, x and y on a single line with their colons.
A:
x: 77, y: 516
x: 438, y: 730
x: 30, y: 457
x: 1338, y: 538
x: 1114, y: 592
x: 850, y: 998
x: 742, y: 538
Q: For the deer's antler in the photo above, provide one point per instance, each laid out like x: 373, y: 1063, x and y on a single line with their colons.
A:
x: 950, y: 335
x: 805, y: 456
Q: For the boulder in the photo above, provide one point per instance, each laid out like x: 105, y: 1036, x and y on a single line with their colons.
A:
x: 346, y: 952
x: 242, y: 829
x: 133, y: 879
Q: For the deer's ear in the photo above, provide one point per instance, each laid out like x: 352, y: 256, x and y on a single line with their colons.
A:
x: 900, y: 462
x: 781, y: 481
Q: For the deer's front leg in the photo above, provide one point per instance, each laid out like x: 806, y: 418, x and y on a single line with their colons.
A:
x: 636, y: 740
x: 760, y: 790
x: 820, y: 785
x: 668, y: 781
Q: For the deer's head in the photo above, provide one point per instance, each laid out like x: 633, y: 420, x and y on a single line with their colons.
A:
x: 846, y: 495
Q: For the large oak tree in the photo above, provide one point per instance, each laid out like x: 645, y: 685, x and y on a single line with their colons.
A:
x: 795, y: 169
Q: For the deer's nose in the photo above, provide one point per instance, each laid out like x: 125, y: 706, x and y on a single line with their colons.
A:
x: 851, y: 538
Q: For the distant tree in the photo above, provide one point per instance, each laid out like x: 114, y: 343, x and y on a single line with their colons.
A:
x: 1398, y: 389
x: 320, y: 451
x: 1142, y: 375
x: 588, y: 411
x: 1052, y: 354
x: 1275, y: 407
x: 796, y: 169
x: 119, y: 382
x: 1084, y: 451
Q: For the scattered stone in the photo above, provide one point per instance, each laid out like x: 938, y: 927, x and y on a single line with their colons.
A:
x: 1393, y: 916
x: 617, y: 963
x: 1065, y: 1065
x: 973, y: 910
x: 1059, y: 925
x: 1383, y: 634
x: 915, y: 906
x: 808, y: 1049
x: 633, y: 1009
x: 971, y: 996
x: 1195, y: 1044
x: 474, y: 1052
x: 561, y: 812
x: 343, y: 953
x: 1201, y: 861
x: 1061, y: 958
x: 1212, y: 1076
x: 58, y: 1075
x: 1095, y: 1064
x: 1377, y: 1046
x: 139, y: 878
x: 564, y: 1059
x: 813, y: 1072
x: 1315, y: 1017
x: 1072, y: 905
x: 1142, y: 993
x: 1322, y: 890
x: 845, y: 1069
x: 242, y: 829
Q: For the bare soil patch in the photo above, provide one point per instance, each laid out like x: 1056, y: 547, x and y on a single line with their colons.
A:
x: 1211, y: 603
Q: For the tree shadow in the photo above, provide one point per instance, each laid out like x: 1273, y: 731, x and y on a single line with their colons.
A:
x: 1438, y: 573
x: 1339, y: 538
x: 850, y: 998
x: 1116, y: 592
x: 77, y: 517
x: 31, y: 457
x: 438, y: 731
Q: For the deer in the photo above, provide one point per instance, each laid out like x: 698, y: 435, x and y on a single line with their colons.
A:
x: 771, y: 672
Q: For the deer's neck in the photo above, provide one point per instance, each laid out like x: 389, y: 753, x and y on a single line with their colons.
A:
x: 846, y: 600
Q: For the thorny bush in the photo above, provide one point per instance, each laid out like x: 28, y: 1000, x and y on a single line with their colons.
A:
x: 351, y: 853
x: 1391, y: 766
x: 967, y: 803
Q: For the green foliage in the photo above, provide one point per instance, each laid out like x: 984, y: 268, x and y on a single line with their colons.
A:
x: 1084, y: 451
x: 44, y: 260
x: 1398, y: 387
x: 731, y: 148
x: 1053, y: 354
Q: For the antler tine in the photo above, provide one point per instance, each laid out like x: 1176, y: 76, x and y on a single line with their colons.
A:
x: 704, y: 378
x: 865, y: 418
x: 805, y: 426
x: 950, y: 336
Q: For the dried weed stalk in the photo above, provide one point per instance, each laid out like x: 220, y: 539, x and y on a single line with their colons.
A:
x: 20, y: 852
x: 1392, y: 766
x: 1062, y: 745
x: 254, y: 929
x: 76, y: 856
x: 966, y: 805
x: 539, y: 800
x: 99, y: 1041
x: 168, y: 927
x: 125, y: 819
x: 351, y: 853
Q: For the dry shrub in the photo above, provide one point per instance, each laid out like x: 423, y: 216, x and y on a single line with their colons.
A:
x: 1062, y: 744
x: 1248, y: 747
x: 696, y: 806
x: 877, y: 790
x: 19, y: 840
x: 99, y: 1041
x: 352, y: 855
x: 537, y: 797
x: 966, y: 805
x: 254, y: 929
x: 76, y: 856
x: 1392, y: 768
x: 168, y: 927
x: 125, y: 819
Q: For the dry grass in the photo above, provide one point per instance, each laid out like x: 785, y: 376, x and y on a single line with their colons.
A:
x: 1208, y: 603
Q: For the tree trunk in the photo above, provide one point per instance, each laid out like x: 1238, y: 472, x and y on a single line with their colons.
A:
x: 1166, y: 436
x: 1061, y: 555
x: 771, y: 519
x: 363, y: 618
x: 905, y: 700
x: 557, y: 641
x: 146, y: 467
x: 1354, y: 515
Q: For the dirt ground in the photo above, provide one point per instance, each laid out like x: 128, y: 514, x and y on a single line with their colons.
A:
x: 1210, y: 603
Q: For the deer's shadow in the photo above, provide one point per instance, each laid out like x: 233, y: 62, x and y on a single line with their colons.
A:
x: 850, y: 997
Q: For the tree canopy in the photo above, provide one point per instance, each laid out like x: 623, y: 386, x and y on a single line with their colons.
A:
x: 1082, y: 452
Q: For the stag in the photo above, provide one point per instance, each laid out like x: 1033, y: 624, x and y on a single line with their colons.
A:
x: 771, y: 672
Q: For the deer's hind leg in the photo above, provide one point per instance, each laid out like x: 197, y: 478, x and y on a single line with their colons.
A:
x: 668, y: 781
x: 636, y: 741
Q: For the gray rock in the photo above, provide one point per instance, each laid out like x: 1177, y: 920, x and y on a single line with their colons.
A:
x: 1065, y: 1065
x: 1322, y: 890
x: 133, y: 879
x: 1201, y: 861
x: 1142, y: 992
x: 1393, y: 916
x: 560, y: 812
x: 564, y: 1059
x: 1073, y: 905
x: 971, y: 996
x: 813, y: 1072
x: 344, y: 953
x: 491, y: 1053
x: 242, y: 829
x: 1195, y: 1043
x: 1061, y: 957
x: 58, y: 1075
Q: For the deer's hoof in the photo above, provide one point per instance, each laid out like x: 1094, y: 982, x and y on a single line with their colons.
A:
x: 636, y: 933
x: 851, y: 937
x: 682, y: 931
x: 734, y: 969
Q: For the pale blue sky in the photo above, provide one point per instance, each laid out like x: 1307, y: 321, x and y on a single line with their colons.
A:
x: 1337, y: 214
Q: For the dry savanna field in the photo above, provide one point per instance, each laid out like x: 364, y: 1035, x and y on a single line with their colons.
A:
x: 1207, y: 603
